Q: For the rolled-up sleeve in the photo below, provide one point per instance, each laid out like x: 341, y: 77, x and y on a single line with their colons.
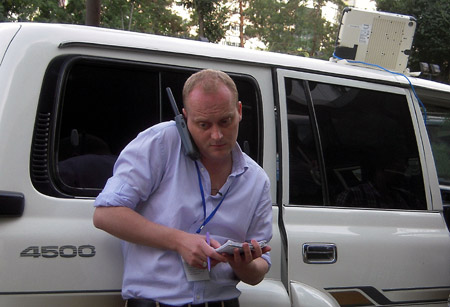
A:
x: 137, y: 171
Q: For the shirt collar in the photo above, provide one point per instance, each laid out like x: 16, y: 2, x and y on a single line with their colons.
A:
x: 240, y: 165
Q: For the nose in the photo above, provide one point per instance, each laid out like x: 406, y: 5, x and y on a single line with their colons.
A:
x: 216, y: 133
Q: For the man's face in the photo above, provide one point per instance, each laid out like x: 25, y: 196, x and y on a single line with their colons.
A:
x: 213, y: 121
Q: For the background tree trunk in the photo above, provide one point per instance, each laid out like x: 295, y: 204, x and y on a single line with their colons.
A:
x: 93, y: 12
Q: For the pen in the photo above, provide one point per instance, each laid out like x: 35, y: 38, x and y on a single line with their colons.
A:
x: 209, y: 260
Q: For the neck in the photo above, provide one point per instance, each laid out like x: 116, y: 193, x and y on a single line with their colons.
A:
x: 221, y: 165
x: 218, y: 172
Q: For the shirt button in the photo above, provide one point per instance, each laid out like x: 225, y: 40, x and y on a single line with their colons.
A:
x: 197, y: 297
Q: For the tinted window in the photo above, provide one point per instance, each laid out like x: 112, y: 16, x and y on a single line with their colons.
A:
x: 352, y: 147
x: 438, y: 127
x: 94, y: 107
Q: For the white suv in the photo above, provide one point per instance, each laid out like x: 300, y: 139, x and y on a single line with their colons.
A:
x: 358, y: 215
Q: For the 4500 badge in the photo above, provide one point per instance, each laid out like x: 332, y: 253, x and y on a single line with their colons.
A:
x: 64, y: 251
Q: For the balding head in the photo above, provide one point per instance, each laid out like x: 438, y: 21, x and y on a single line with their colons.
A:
x: 209, y: 80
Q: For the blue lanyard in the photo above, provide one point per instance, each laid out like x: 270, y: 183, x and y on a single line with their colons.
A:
x: 207, y: 219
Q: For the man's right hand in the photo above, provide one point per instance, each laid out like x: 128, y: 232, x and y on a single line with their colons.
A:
x: 195, y: 250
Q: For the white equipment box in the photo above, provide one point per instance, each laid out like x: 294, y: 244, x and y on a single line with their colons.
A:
x: 378, y: 38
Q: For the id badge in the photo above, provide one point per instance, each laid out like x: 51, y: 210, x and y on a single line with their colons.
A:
x: 195, y: 274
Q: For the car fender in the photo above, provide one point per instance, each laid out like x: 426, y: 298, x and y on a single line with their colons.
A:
x: 303, y: 295
x: 267, y: 293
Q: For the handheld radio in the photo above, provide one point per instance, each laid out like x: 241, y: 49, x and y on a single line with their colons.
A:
x: 186, y: 139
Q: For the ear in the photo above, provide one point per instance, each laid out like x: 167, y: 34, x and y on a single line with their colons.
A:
x: 184, y: 113
x: 240, y: 110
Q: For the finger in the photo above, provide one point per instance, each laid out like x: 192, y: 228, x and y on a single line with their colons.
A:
x: 214, y: 262
x: 216, y: 256
x: 229, y: 257
x: 257, y: 252
x: 214, y: 243
x: 211, y: 253
x: 237, y: 256
x: 197, y: 263
x: 247, y: 253
x: 202, y: 264
x: 266, y: 249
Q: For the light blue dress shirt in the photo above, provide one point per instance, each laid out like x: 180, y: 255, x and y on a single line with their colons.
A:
x: 154, y: 177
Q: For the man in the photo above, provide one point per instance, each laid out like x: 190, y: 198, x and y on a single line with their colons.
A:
x: 162, y: 204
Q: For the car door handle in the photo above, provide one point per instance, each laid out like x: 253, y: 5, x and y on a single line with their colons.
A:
x: 316, y: 253
x: 11, y: 204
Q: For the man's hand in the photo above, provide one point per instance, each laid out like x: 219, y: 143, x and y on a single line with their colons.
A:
x: 249, y: 266
x: 195, y: 251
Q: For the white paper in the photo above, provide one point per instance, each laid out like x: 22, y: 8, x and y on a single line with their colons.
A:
x: 195, y: 274
x: 229, y: 246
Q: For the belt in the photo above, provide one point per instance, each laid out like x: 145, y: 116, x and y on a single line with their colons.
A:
x: 151, y: 303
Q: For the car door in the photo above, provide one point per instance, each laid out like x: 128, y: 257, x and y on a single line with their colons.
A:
x: 89, y: 109
x: 361, y: 206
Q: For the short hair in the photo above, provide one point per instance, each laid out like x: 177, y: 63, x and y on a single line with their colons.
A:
x: 209, y: 79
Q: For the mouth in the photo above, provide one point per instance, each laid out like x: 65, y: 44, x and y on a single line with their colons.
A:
x: 217, y: 145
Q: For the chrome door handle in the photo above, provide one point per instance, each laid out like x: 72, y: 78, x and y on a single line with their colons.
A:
x: 316, y: 253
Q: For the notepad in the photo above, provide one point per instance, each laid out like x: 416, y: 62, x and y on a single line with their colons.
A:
x: 229, y: 246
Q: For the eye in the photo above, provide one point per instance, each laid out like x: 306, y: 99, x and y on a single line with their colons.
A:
x: 225, y: 121
x: 203, y: 125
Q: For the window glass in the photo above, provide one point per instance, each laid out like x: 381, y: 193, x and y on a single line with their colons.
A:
x: 438, y: 127
x: 305, y: 182
x: 370, y: 155
x: 103, y: 108
x: 104, y: 104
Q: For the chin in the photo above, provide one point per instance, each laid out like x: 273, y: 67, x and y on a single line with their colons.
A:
x: 217, y: 155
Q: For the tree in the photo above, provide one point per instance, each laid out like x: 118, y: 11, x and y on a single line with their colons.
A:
x: 324, y: 33
x: 210, y: 16
x: 93, y: 8
x: 37, y: 10
x: 150, y: 16
x: 270, y: 24
x: 431, y: 40
x: 292, y: 27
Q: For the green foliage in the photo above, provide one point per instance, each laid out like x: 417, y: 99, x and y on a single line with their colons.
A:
x: 151, y: 16
x: 42, y: 11
x: 286, y: 26
x: 292, y: 27
x: 210, y: 16
x: 432, y: 37
x: 273, y: 22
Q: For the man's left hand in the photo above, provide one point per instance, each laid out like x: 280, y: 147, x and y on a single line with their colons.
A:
x: 249, y: 266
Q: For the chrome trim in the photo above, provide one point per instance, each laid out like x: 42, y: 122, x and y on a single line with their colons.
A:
x: 319, y: 253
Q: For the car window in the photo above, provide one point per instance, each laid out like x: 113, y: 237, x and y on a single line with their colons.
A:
x: 95, y: 107
x: 351, y: 147
x: 438, y: 127
x: 436, y: 113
